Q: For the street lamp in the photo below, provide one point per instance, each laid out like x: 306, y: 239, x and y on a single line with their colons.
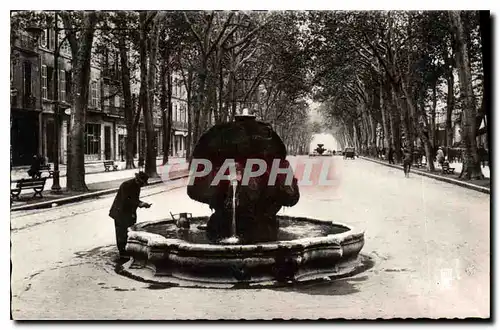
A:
x: 56, y: 187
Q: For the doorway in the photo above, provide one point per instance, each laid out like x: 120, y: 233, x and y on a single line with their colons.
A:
x: 107, y: 142
x: 23, y: 137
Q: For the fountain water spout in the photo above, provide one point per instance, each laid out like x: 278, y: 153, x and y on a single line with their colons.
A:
x: 234, y: 239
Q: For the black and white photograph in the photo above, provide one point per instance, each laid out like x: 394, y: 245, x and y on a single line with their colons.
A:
x: 212, y: 164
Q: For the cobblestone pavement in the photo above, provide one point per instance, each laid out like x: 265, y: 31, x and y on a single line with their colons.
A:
x: 428, y: 242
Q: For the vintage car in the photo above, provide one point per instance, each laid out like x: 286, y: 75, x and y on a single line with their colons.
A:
x: 349, y: 153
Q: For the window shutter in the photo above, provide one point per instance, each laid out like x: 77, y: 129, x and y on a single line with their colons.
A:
x: 50, y: 80
x: 68, y: 85
x: 52, y: 36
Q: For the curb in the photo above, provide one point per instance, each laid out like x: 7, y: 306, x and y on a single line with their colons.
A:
x: 72, y: 199
x: 436, y: 177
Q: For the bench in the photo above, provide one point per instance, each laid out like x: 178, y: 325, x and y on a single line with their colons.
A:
x: 108, y: 164
x: 446, y: 169
x: 46, y: 168
x: 36, y: 184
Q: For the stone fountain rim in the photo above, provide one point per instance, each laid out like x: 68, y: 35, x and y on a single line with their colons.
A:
x: 160, y: 242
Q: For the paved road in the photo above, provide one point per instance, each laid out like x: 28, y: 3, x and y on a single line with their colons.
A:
x: 428, y: 242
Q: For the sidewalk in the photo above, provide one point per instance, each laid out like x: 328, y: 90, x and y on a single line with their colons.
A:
x: 99, y: 183
x: 478, y: 185
x: 21, y: 172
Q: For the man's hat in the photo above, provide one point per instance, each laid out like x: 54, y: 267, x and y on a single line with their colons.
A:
x: 142, y: 177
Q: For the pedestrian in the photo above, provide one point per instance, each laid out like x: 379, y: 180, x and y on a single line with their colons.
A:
x: 124, y: 208
x: 141, y: 162
x: 391, y: 155
x: 440, y: 156
x: 406, y: 162
x: 34, y: 171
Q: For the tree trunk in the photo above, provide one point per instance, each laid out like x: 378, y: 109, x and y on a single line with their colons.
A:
x: 166, y: 104
x: 395, y: 129
x: 81, y: 68
x: 485, y: 32
x: 144, y: 94
x: 150, y: 167
x: 385, y: 124
x: 450, y: 104
x: 189, y: 142
x: 129, y: 106
x: 471, y: 163
x: 198, y: 106
x: 432, y: 129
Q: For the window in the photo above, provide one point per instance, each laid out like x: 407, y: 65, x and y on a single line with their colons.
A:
x: 106, y: 95
x: 62, y: 86
x: 68, y: 86
x: 94, y: 94
x: 52, y: 35
x: 45, y: 92
x: 117, y: 101
x: 175, y: 112
x: 92, y: 139
x: 27, y: 78
x: 43, y: 38
x: 65, y: 50
x: 50, y: 85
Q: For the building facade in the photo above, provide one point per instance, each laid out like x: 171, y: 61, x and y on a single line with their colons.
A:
x: 32, y: 105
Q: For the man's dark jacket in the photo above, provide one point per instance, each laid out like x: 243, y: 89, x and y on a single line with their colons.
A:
x: 126, y: 201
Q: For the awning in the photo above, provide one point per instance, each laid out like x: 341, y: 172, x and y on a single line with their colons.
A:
x: 180, y: 133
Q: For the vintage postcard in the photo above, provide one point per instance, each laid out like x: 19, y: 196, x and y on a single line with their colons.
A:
x: 250, y: 165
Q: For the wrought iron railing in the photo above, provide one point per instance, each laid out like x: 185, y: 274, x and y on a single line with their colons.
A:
x: 114, y: 110
x: 179, y: 125
x: 29, y: 102
x: 27, y: 42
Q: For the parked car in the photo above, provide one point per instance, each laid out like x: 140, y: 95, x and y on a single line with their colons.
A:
x: 349, y: 153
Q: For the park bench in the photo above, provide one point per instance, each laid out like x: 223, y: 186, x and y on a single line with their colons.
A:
x: 446, y: 169
x: 36, y: 184
x: 109, y: 164
x: 46, y: 168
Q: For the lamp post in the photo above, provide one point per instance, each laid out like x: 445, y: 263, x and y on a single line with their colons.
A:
x: 56, y: 187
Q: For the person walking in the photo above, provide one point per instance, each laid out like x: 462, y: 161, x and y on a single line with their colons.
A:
x: 406, y: 162
x: 440, y: 156
x: 391, y: 155
x: 123, y: 210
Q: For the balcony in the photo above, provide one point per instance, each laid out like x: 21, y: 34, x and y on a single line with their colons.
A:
x: 114, y: 111
x: 111, y: 74
x: 179, y: 125
x: 29, y: 102
x: 27, y: 44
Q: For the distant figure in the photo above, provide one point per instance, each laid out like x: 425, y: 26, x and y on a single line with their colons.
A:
x: 391, y: 155
x: 34, y: 171
x: 483, y: 155
x: 440, y: 156
x: 124, y: 208
x: 141, y: 162
x: 406, y: 162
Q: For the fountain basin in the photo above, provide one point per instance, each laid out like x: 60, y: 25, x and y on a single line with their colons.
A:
x: 307, y: 249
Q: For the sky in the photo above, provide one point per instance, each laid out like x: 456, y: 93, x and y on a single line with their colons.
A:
x: 325, y: 138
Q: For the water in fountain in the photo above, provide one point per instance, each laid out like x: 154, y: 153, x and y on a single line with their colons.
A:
x: 233, y: 239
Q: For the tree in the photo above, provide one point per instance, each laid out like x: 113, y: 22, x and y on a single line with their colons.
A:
x: 81, y: 50
x: 471, y: 164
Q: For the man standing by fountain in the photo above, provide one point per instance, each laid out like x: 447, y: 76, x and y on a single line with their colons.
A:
x: 124, y: 208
